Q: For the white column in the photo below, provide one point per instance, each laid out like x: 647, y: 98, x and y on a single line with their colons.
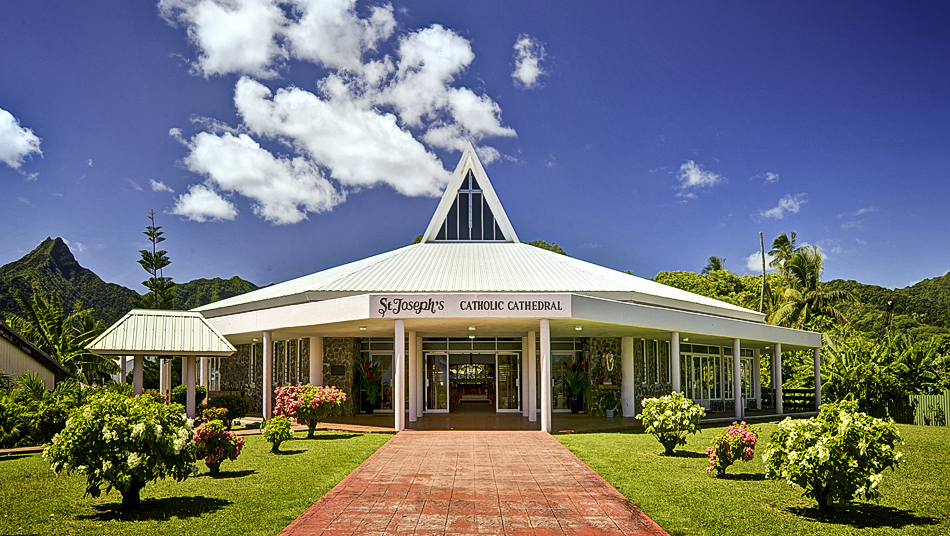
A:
x: 316, y: 360
x: 191, y: 366
x: 267, y: 378
x: 138, y: 367
x: 675, y: 372
x: 166, y: 380
x: 627, y: 395
x: 421, y: 375
x: 162, y: 375
x: 399, y: 376
x: 204, y: 372
x: 546, y: 376
x: 184, y: 371
x: 736, y: 378
x: 123, y: 370
x: 777, y: 372
x: 532, y: 378
x: 817, y: 378
x: 757, y: 378
x: 413, y: 377
x: 524, y: 377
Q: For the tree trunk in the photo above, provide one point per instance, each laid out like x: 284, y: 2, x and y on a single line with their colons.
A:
x: 131, y: 498
x: 313, y: 427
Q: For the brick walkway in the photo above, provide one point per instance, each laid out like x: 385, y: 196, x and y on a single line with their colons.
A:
x: 473, y: 483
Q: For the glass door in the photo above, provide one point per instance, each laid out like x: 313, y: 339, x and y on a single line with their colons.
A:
x: 508, y: 383
x: 436, y: 383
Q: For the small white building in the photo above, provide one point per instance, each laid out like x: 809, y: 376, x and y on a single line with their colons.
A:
x: 472, y: 315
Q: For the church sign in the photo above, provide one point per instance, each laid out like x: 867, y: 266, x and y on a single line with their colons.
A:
x: 470, y: 306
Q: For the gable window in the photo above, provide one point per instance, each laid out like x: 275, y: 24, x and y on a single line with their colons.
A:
x: 470, y: 217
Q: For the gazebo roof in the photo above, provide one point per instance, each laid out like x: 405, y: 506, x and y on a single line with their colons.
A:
x: 161, y: 332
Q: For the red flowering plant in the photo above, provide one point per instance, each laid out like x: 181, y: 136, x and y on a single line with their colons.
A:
x: 213, y: 444
x: 736, y: 443
x: 308, y: 404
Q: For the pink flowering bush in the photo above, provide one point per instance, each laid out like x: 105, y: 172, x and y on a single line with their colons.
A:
x: 213, y: 444
x: 736, y: 443
x: 308, y: 404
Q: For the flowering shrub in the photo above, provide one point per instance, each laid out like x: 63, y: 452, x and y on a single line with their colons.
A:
x: 837, y: 456
x: 124, y: 443
x: 213, y: 444
x: 308, y: 404
x: 180, y: 394
x: 276, y: 431
x: 670, y: 418
x: 210, y: 413
x: 155, y: 394
x: 236, y: 404
x: 736, y: 443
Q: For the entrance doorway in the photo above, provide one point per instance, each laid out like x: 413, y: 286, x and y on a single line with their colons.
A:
x: 508, y: 383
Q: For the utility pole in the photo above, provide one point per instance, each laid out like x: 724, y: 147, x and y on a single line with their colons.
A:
x: 762, y: 295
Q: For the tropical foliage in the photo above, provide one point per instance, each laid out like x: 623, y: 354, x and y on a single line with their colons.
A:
x: 671, y: 418
x: 62, y: 336
x: 369, y: 380
x: 838, y: 456
x: 122, y: 443
x: 180, y: 394
x: 714, y: 265
x: 805, y: 297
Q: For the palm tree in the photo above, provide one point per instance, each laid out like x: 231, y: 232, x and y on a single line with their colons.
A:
x: 715, y: 263
x: 783, y: 248
x: 804, y: 298
x: 63, y: 337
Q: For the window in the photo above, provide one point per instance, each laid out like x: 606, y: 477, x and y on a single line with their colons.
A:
x: 470, y: 217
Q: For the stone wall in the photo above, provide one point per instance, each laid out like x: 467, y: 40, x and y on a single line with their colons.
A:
x: 647, y: 385
x: 345, y: 352
x: 604, y: 395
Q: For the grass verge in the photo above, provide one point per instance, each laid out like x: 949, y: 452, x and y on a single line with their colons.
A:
x: 260, y: 493
x: 681, y: 497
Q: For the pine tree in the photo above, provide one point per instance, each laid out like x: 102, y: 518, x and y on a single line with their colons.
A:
x: 161, y: 293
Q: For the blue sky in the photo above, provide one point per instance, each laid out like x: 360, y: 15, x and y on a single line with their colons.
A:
x: 274, y: 139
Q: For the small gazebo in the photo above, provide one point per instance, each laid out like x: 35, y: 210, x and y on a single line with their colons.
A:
x: 163, y: 333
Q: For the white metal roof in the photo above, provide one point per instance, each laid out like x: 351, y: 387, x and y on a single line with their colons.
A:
x: 474, y: 267
x: 161, y: 332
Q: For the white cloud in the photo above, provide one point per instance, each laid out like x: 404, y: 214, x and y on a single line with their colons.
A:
x: 236, y: 36
x: 770, y: 177
x: 860, y: 242
x: 159, y: 186
x: 284, y: 189
x: 374, y: 119
x: 790, y: 204
x: 753, y: 263
x: 90, y: 162
x: 528, y: 56
x: 135, y: 185
x: 201, y: 203
x: 693, y: 177
x: 77, y: 246
x: 16, y: 142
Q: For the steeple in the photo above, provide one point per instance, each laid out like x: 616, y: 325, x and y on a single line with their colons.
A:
x: 469, y: 210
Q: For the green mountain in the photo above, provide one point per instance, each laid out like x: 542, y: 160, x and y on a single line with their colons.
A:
x: 200, y: 292
x: 919, y: 311
x: 52, y: 264
x: 55, y: 268
x: 936, y: 290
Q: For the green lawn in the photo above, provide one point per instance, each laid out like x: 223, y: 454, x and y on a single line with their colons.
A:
x: 260, y: 493
x: 681, y: 497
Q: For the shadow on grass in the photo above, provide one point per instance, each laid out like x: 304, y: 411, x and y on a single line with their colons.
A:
x: 744, y: 477
x: 685, y: 454
x: 289, y: 452
x: 157, y: 509
x: 232, y: 474
x: 866, y: 515
x: 16, y: 456
x: 327, y: 437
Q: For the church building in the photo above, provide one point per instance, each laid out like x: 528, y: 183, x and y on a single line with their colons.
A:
x: 471, y: 315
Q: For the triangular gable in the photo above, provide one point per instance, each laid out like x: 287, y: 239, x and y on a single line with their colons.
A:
x: 470, y: 210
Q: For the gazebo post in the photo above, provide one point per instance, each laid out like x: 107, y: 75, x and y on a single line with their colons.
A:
x: 191, y: 374
x: 137, y: 366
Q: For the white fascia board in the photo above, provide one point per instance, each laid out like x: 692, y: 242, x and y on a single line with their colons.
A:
x: 293, y: 316
x: 645, y: 316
